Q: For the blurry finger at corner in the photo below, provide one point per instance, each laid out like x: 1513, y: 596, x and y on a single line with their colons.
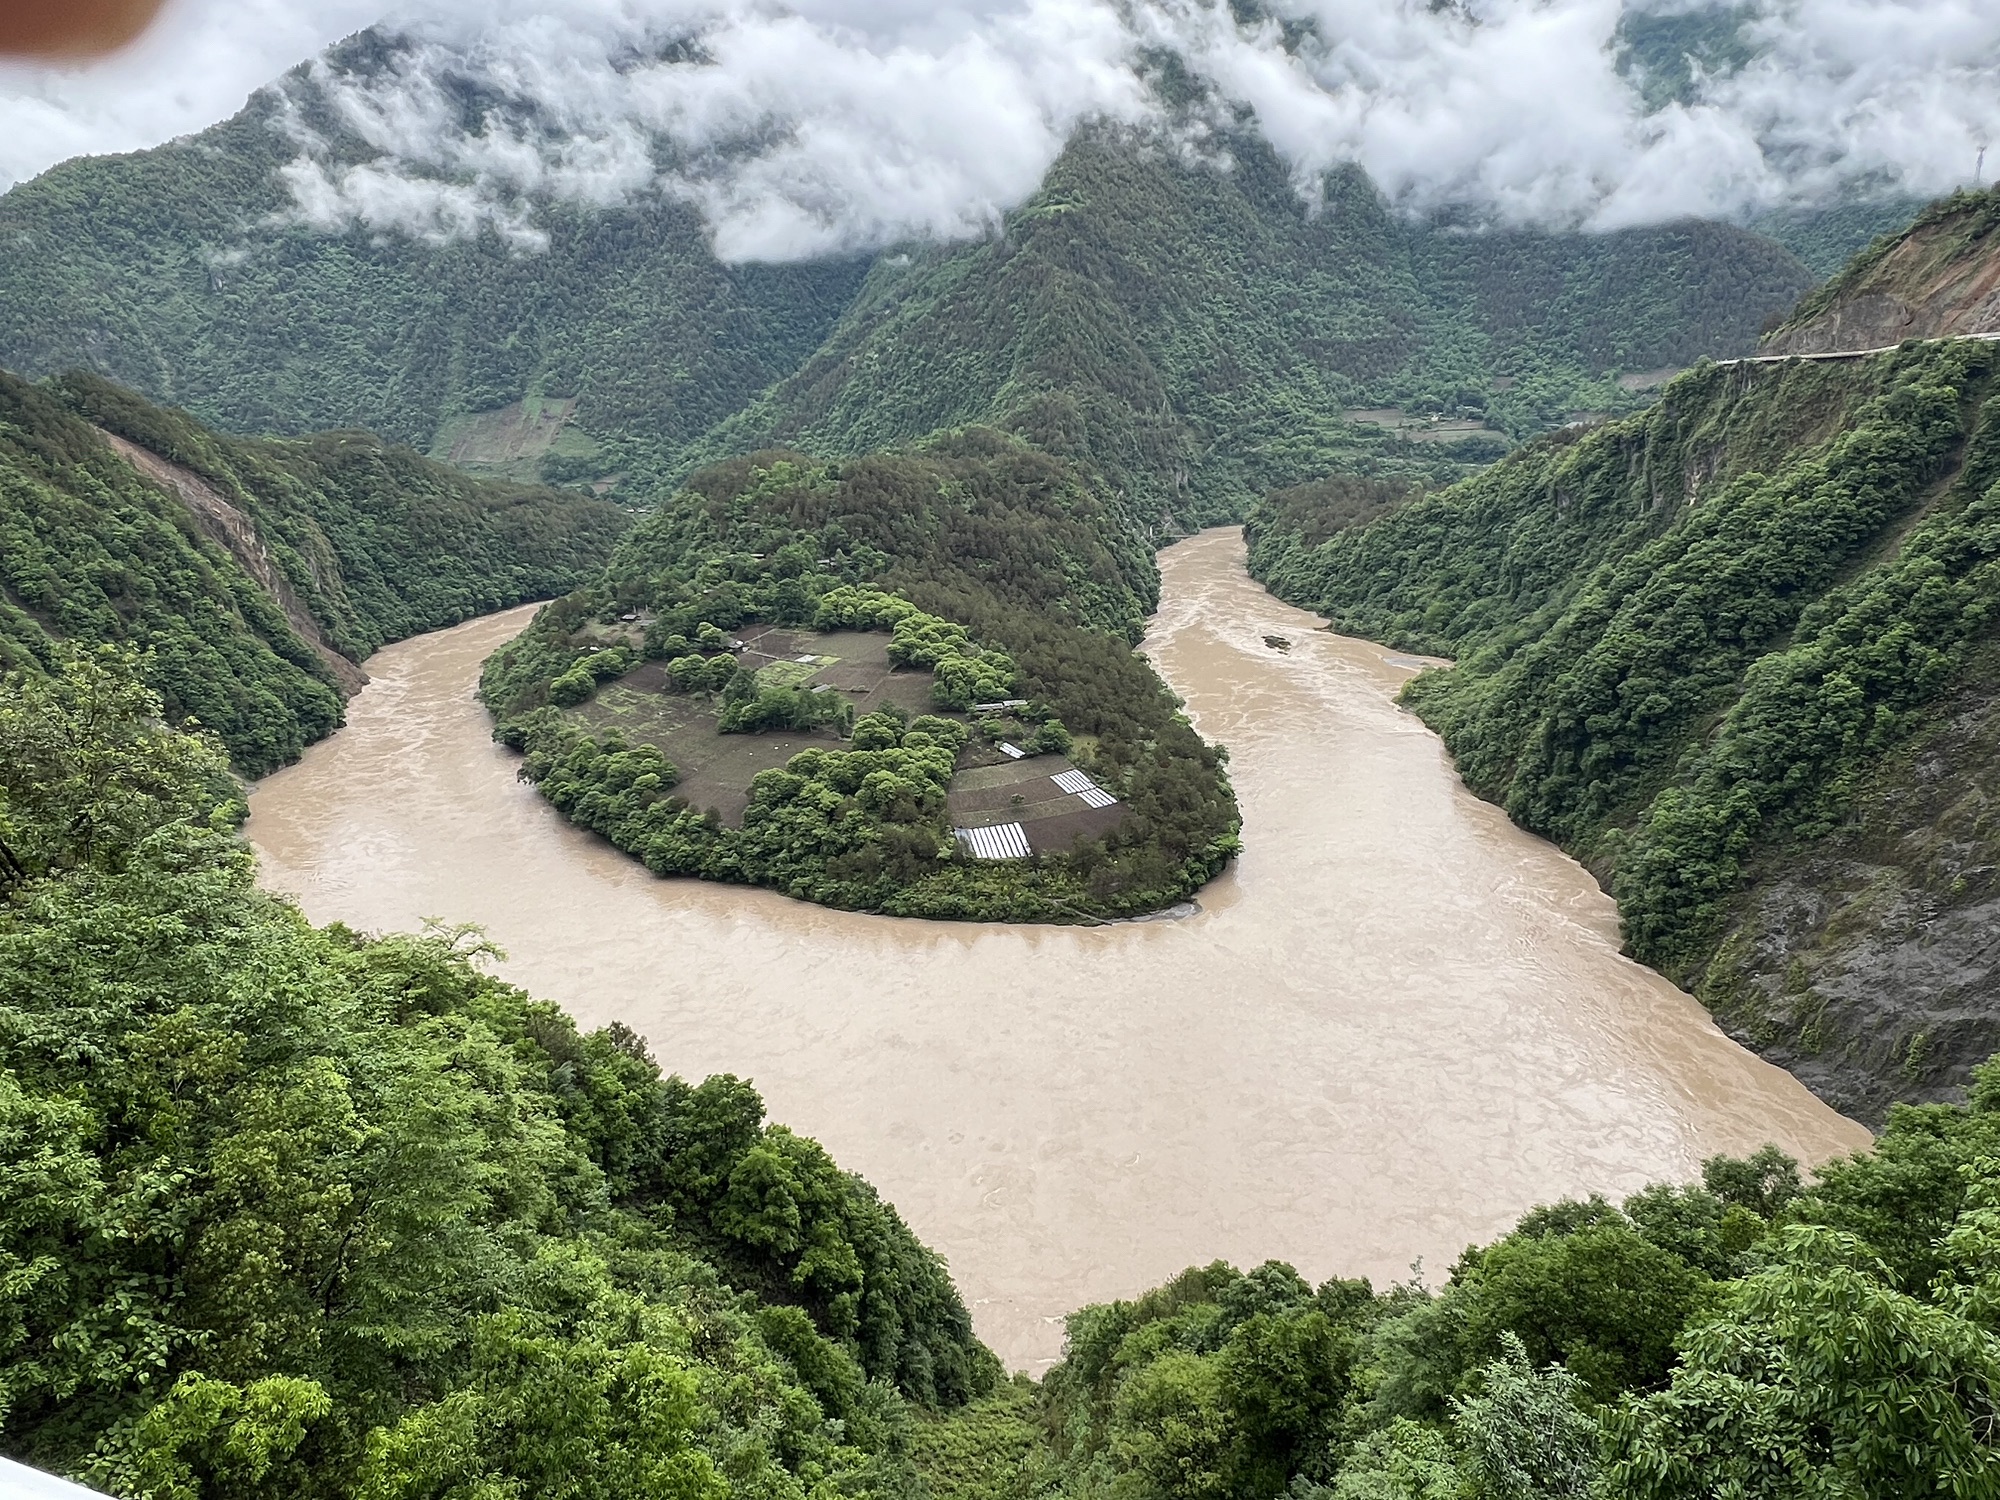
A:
x: 71, y: 28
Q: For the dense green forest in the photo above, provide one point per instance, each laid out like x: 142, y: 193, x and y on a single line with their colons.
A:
x: 1005, y: 544
x: 289, y: 1212
x: 286, y: 1211
x: 1192, y: 329
x: 1693, y: 645
x: 359, y: 543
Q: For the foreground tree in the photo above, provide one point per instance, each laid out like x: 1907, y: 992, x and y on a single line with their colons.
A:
x: 1823, y: 1380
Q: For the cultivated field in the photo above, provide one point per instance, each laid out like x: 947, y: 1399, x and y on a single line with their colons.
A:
x: 990, y: 787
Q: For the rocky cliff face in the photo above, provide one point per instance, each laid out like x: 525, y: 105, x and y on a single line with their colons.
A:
x: 1939, y: 278
x: 1868, y: 961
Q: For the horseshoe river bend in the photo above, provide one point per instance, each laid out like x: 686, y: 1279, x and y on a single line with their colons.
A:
x: 1394, y: 1024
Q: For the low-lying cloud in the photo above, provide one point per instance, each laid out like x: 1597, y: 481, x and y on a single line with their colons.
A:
x: 835, y: 125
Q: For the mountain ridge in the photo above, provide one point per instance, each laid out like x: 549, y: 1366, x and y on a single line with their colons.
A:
x: 1103, y: 327
x: 1093, y: 321
x: 229, y: 527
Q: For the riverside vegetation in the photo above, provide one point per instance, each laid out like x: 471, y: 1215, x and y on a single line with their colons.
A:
x: 286, y: 1211
x: 1708, y: 649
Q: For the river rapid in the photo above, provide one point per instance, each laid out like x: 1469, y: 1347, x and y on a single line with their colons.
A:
x: 1397, y: 1022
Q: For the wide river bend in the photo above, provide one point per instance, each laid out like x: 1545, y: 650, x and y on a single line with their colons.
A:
x: 1395, y: 1024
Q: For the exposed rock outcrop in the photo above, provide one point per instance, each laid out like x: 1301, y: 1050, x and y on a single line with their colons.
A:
x: 1868, y: 961
x: 1940, y: 278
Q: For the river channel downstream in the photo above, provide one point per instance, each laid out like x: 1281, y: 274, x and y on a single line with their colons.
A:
x: 1397, y: 1022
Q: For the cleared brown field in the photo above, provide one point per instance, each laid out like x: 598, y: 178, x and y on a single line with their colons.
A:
x: 717, y: 769
x: 1024, y: 792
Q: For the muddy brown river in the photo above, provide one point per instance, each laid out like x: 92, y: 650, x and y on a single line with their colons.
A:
x: 1396, y: 1023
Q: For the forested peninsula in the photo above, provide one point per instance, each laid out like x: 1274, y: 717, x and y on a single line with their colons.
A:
x: 1000, y: 580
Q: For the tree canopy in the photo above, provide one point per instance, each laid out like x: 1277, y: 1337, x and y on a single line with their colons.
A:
x: 287, y: 1211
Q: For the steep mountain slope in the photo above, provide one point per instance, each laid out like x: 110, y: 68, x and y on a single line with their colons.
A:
x: 1939, y: 278
x: 257, y: 574
x: 1196, y: 332
x: 1713, y: 651
x: 1188, y: 326
x: 178, y: 272
x: 1826, y: 239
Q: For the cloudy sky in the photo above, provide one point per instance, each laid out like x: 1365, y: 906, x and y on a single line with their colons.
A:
x: 817, y: 125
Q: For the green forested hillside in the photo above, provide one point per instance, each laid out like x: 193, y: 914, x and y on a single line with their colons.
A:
x: 995, y: 539
x: 1197, y: 333
x: 162, y: 270
x: 346, y: 543
x: 1826, y: 239
x: 388, y: 544
x: 1697, y: 645
x: 290, y: 1212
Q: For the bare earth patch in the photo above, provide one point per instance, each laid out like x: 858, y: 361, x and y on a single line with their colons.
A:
x: 512, y: 439
x: 716, y: 769
x: 1024, y: 792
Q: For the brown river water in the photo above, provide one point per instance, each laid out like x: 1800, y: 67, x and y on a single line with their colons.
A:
x: 1394, y: 1025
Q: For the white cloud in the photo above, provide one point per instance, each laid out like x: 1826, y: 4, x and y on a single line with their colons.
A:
x: 797, y: 134
x: 823, y: 125
x: 1518, y: 108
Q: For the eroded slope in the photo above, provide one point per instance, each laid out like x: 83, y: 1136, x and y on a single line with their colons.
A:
x: 256, y: 574
x: 1939, y: 278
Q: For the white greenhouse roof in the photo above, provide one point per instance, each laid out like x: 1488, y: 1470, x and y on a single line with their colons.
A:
x: 1007, y: 841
